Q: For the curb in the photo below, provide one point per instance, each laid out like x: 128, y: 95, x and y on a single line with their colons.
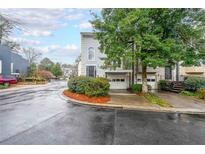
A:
x: 132, y: 108
x: 22, y: 88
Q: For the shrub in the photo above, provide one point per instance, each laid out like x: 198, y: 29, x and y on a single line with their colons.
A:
x: 3, y: 86
x: 97, y: 87
x: 201, y: 93
x: 137, y: 88
x: 187, y: 93
x: 194, y: 83
x: 165, y: 85
x: 89, y: 86
x: 78, y: 84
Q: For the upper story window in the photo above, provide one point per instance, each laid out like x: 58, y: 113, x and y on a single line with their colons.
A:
x: 91, y: 53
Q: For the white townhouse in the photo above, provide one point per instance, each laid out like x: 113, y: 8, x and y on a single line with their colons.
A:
x: 92, y: 61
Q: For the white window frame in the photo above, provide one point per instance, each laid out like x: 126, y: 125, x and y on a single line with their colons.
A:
x: 0, y: 66
x: 91, y: 65
x: 93, y: 53
x: 12, y: 68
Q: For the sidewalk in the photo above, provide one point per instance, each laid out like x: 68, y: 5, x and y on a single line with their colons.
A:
x: 129, y: 101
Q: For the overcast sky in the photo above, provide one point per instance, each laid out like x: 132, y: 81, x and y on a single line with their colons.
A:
x: 54, y: 32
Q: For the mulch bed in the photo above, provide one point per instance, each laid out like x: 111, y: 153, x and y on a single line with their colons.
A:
x: 82, y: 97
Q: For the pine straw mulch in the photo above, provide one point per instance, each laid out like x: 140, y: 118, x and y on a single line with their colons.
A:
x: 82, y: 97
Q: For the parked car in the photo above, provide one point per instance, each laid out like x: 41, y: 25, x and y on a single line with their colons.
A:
x: 7, y: 80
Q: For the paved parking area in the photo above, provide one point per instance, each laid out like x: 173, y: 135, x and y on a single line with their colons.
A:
x: 40, y: 116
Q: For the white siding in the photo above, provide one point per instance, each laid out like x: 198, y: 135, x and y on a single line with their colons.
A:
x: 88, y: 41
x: 0, y: 66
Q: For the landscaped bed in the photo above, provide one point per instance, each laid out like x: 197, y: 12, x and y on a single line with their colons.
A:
x: 82, y: 97
x: 89, y: 89
x: 154, y: 99
x: 150, y: 97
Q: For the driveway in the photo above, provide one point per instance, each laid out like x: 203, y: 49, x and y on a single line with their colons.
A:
x: 179, y: 101
x: 40, y: 116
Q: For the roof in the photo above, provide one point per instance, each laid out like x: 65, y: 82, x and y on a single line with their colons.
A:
x: 87, y: 33
x: 118, y: 71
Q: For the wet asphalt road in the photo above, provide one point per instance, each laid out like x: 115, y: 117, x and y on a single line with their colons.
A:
x: 40, y: 116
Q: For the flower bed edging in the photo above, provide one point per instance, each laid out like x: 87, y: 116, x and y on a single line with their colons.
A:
x: 82, y: 97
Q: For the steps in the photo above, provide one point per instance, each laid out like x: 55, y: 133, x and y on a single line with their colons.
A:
x: 177, y: 87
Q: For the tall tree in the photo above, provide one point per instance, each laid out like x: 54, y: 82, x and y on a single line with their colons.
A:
x: 7, y: 25
x: 56, y: 70
x: 31, y: 54
x: 162, y: 36
x: 46, y: 64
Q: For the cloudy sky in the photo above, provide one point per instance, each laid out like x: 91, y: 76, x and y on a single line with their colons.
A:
x: 54, y: 32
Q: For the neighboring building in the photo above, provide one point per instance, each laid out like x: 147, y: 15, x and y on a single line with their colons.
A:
x: 92, y: 60
x: 12, y: 63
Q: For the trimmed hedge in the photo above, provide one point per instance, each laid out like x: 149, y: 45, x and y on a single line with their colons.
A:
x: 78, y: 84
x: 137, y: 88
x: 97, y: 87
x: 194, y: 83
x: 93, y: 87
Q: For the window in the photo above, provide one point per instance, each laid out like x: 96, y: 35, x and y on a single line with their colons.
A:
x: 12, y: 67
x: 91, y: 53
x: 0, y: 66
x: 91, y: 71
x: 122, y: 80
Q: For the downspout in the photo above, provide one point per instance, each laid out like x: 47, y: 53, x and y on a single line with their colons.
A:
x: 133, y: 62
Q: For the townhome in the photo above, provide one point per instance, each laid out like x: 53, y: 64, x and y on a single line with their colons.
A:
x: 92, y: 61
x: 12, y: 63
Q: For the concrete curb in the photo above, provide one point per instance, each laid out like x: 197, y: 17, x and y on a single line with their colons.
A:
x: 135, y: 108
x: 22, y: 88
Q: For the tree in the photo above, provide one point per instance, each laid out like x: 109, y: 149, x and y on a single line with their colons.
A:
x: 31, y: 54
x: 31, y: 69
x: 46, y: 64
x: 161, y: 36
x: 56, y: 70
x: 7, y: 25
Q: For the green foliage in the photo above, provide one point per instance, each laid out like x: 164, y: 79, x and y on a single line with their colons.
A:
x: 137, y: 88
x: 154, y: 99
x: 3, y: 86
x: 78, y: 84
x: 89, y: 86
x: 161, y: 36
x: 97, y: 87
x: 187, y: 93
x: 201, y: 93
x: 56, y: 70
x: 194, y: 83
x: 31, y: 69
x: 164, y: 85
x: 46, y: 64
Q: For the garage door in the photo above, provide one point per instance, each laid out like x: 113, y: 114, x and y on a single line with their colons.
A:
x: 151, y: 80
x: 117, y: 82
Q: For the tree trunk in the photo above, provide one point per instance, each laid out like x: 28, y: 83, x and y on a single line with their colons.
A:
x: 144, y: 79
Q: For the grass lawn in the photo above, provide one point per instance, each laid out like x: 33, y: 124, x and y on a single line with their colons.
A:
x: 3, y: 86
x: 154, y: 99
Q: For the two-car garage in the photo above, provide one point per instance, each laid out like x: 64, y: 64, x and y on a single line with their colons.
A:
x: 122, y: 80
